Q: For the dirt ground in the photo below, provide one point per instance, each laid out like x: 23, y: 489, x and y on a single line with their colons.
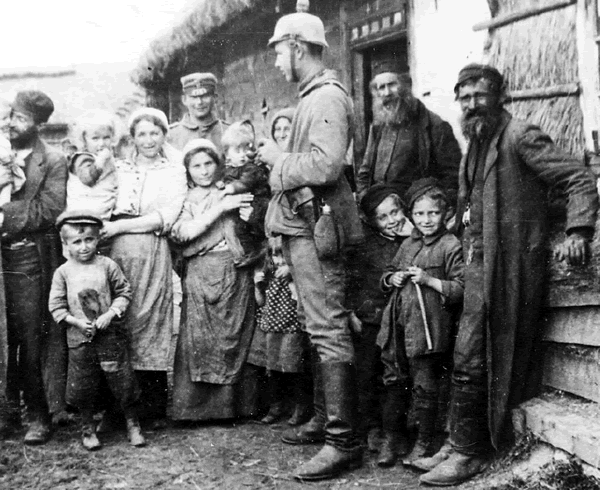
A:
x: 223, y: 456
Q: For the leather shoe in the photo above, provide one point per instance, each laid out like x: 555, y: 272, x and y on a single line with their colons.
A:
x: 456, y: 469
x: 393, y: 446
x: 310, y: 433
x: 38, y: 433
x: 328, y: 463
x: 427, y: 464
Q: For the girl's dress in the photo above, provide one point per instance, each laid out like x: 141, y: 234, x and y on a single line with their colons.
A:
x: 211, y: 378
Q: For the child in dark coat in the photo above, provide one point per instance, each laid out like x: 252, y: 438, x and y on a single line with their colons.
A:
x: 426, y: 278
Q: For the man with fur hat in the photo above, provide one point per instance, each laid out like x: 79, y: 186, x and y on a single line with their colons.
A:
x: 406, y: 140
x: 502, y: 209
x: 308, y: 180
x: 30, y: 252
x: 200, y: 121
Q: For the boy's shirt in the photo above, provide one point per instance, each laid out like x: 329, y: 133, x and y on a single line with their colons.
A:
x: 86, y: 291
x: 440, y: 256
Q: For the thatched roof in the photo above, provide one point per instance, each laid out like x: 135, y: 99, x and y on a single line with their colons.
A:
x: 168, y: 50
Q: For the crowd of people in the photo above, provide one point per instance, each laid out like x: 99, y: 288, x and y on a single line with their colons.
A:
x: 419, y: 292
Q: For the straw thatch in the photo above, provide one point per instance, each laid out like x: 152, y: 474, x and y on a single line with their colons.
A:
x: 167, y: 51
x: 541, y: 52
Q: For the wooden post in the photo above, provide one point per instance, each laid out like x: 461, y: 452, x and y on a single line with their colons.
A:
x: 589, y: 70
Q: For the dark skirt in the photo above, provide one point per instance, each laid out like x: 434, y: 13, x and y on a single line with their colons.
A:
x: 211, y: 378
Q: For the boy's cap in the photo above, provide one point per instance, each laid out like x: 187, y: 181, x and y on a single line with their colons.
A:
x: 81, y: 156
x: 198, y: 84
x: 376, y: 195
x: 78, y: 217
x: 420, y: 187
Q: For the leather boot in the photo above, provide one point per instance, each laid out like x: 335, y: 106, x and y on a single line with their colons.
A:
x: 342, y: 450
x: 302, y: 399
x: 428, y: 442
x: 39, y: 429
x: 10, y: 418
x: 276, y: 409
x: 374, y: 439
x: 394, y: 414
x: 456, y: 469
x: 88, y: 431
x: 313, y: 431
x: 427, y: 464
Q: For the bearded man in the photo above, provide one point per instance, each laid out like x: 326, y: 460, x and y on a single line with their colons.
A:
x: 406, y: 140
x: 30, y: 252
x: 504, y: 181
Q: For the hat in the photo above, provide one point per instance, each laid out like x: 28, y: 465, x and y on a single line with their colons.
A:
x: 78, y: 217
x: 375, y: 196
x: 198, y: 84
x: 390, y: 65
x: 35, y: 103
x: 148, y: 111
x: 198, y: 143
x: 420, y: 187
x: 300, y: 26
x: 474, y: 71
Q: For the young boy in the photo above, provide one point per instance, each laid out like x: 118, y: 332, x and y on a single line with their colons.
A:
x: 92, y: 180
x: 242, y: 174
x: 425, y: 277
x: 89, y: 294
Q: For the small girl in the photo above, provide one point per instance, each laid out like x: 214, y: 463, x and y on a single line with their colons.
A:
x: 92, y: 179
x: 285, y: 345
x: 425, y: 277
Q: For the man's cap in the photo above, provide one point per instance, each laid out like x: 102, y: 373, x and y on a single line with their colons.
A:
x: 376, y: 195
x: 198, y: 84
x: 35, y: 103
x: 199, y: 143
x: 299, y: 26
x: 420, y: 187
x: 391, y: 65
x: 475, y: 71
x: 78, y: 217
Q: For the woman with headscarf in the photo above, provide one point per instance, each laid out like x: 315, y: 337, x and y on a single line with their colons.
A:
x: 152, y: 188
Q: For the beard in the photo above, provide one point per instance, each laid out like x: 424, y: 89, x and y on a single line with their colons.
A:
x: 398, y: 110
x: 21, y: 139
x: 479, y: 123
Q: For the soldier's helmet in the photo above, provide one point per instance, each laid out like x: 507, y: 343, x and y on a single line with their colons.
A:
x: 300, y: 26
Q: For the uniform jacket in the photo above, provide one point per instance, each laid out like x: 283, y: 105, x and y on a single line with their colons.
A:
x: 366, y: 263
x: 522, y: 163
x: 320, y: 135
x: 181, y: 132
x: 31, y: 214
x: 440, y: 256
x: 438, y: 150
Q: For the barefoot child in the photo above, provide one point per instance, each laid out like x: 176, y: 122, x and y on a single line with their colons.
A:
x: 425, y: 277
x: 89, y: 294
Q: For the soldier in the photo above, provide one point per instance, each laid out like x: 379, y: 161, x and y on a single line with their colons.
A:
x: 307, y: 180
x: 200, y: 121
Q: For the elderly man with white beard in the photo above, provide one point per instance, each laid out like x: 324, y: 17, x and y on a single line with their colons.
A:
x: 406, y: 140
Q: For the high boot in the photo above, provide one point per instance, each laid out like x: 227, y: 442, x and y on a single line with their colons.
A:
x: 395, y: 433
x: 10, y: 418
x: 276, y: 408
x: 469, y: 436
x: 301, y: 399
x: 342, y: 450
x: 313, y: 431
x: 88, y: 430
x: 428, y: 442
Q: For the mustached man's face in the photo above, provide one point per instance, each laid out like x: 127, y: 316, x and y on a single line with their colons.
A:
x: 391, y: 97
x: 480, y: 106
x: 22, y: 128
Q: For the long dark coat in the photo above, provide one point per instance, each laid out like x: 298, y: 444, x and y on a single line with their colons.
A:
x: 32, y: 213
x: 521, y: 165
